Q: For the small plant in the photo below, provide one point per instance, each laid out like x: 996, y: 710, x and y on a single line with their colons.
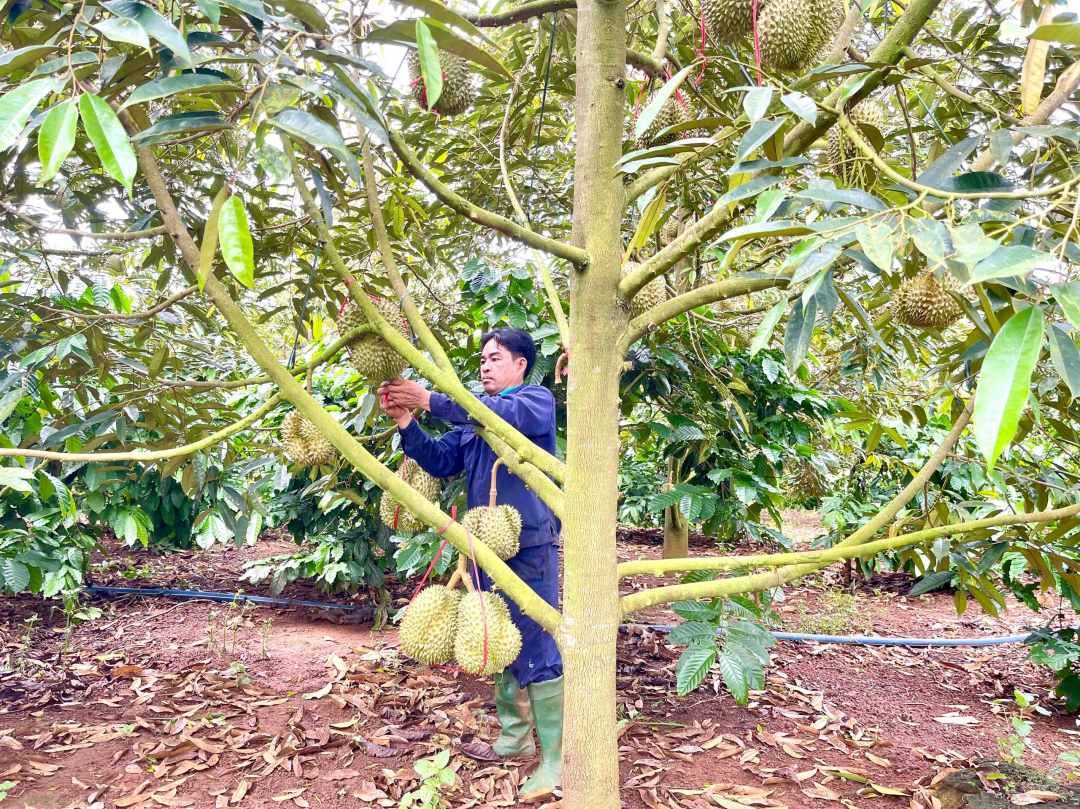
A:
x: 1018, y: 742
x: 837, y: 613
x: 224, y: 628
x: 5, y: 788
x: 1059, y: 649
x: 437, y: 776
x: 264, y: 638
x: 238, y: 672
x: 27, y: 642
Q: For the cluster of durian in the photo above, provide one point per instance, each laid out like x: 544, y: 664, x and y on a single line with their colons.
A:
x: 303, y: 443
x: 441, y: 624
x: 396, y: 516
x: 675, y: 111
x: 370, y: 354
x: 458, y: 92
x: 791, y: 33
x: 855, y: 169
x: 924, y: 301
x: 652, y: 294
x: 498, y: 527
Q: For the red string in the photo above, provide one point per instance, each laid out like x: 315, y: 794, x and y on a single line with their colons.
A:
x: 757, y: 44
x: 641, y: 92
x: 678, y: 93
x: 397, y: 509
x: 704, y: 60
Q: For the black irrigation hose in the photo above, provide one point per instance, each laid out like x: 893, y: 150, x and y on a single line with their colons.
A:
x: 859, y: 640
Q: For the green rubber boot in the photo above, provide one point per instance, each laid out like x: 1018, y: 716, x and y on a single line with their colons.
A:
x: 515, y: 716
x: 547, y: 706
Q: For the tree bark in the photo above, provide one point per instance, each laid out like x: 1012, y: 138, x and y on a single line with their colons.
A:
x: 676, y: 534
x: 591, y: 611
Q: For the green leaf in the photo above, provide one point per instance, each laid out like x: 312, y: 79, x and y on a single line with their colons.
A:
x: 405, y: 31
x: 16, y: 575
x: 236, y: 246
x: 121, y: 29
x: 1068, y: 298
x: 15, y: 477
x: 800, y: 328
x: 694, y: 611
x: 430, y: 69
x: 878, y: 242
x: 749, y: 189
x: 734, y: 668
x: 944, y: 166
x: 182, y: 124
x: 433, y: 8
x: 932, y: 582
x: 801, y: 105
x: 694, y: 663
x: 844, y: 196
x: 1003, y: 383
x: 766, y: 326
x: 22, y: 58
x: 211, y: 8
x: 56, y: 138
x: 1065, y: 356
x: 756, y: 135
x: 1008, y: 262
x: 210, y: 237
x: 1066, y: 33
x: 756, y: 102
x: 929, y: 237
x: 692, y: 632
x: 974, y: 182
x: 650, y: 112
x: 109, y: 138
x: 317, y: 132
x: 16, y: 106
x: 758, y: 230
x: 175, y: 85
x: 155, y: 25
x: 1001, y: 146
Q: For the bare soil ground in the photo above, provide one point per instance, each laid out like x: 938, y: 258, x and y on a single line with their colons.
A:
x: 195, y: 704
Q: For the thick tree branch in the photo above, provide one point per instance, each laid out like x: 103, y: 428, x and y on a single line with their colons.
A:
x: 519, y: 13
x: 660, y: 567
x: 576, y: 256
x: 114, y: 236
x: 663, y: 28
x: 292, y: 390
x: 534, y: 478
x: 763, y: 581
x: 150, y: 455
x: 652, y: 319
x: 149, y: 313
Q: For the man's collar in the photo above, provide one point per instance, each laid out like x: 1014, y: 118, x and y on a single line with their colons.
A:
x: 514, y: 389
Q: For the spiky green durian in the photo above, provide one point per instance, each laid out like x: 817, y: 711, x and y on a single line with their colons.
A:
x: 303, y: 443
x: 395, y: 516
x: 429, y: 626
x: 788, y: 34
x: 503, y: 638
x: 674, y: 111
x: 498, y: 527
x: 845, y: 160
x: 728, y: 21
x: 828, y: 17
x: 457, y: 90
x: 652, y: 294
x: 370, y: 354
x: 924, y: 301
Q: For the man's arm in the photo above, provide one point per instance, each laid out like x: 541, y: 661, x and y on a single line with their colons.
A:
x: 440, y: 457
x: 530, y: 412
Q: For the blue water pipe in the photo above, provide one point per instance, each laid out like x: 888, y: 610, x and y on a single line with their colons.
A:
x: 856, y: 640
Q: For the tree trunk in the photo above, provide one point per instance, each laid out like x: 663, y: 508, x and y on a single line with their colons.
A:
x: 676, y: 534
x: 591, y: 613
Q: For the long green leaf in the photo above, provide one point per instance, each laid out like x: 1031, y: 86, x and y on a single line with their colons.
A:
x: 1003, y: 383
x: 650, y: 112
x: 1065, y: 356
x: 56, y: 138
x: 210, y: 237
x: 236, y: 246
x: 766, y: 326
x: 430, y: 69
x: 1068, y: 298
x: 121, y: 29
x: 694, y: 663
x: 174, y: 85
x: 1066, y: 33
x: 405, y: 31
x: 155, y: 25
x: 16, y: 106
x: 317, y: 132
x: 800, y: 328
x: 433, y: 8
x: 109, y: 138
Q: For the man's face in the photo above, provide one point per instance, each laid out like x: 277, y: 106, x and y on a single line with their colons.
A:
x: 499, y: 369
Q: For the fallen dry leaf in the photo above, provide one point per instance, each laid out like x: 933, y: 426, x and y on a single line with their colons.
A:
x: 481, y: 751
x: 288, y: 796
x: 241, y: 791
x: 1034, y: 796
x: 337, y: 775
x: 956, y: 719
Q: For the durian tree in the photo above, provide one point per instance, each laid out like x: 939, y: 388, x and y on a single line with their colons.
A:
x: 259, y: 164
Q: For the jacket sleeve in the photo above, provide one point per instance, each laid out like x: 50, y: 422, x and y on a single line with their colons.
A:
x: 441, y: 457
x: 531, y: 411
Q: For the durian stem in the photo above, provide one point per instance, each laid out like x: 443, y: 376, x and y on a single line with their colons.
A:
x: 509, y: 582
x: 446, y: 381
x: 462, y: 573
x: 546, y: 489
x: 155, y: 455
x: 408, y: 305
x: 455, y: 580
x: 493, y: 492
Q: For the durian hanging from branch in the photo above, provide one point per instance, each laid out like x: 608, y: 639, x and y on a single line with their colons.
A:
x: 853, y: 168
x: 924, y: 301
x: 791, y: 34
x: 457, y: 93
x: 652, y: 294
x: 674, y: 111
x: 397, y: 517
x: 303, y: 443
x: 498, y: 527
x: 369, y: 353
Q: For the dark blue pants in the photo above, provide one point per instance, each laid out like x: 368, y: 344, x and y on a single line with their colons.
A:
x: 539, y: 660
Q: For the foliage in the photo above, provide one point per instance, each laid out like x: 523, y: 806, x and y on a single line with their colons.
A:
x: 1059, y: 650
x: 436, y: 776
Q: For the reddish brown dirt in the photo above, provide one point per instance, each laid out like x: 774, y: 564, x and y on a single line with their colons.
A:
x: 190, y: 704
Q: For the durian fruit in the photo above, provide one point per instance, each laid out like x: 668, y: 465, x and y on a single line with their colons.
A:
x: 396, y: 516
x: 924, y: 301
x: 503, y: 638
x: 114, y: 262
x: 652, y: 294
x: 828, y: 17
x: 788, y: 34
x: 457, y: 90
x: 429, y: 625
x: 807, y: 481
x: 673, y: 112
x: 303, y: 443
x: 728, y: 21
x: 370, y: 354
x: 845, y: 160
x: 498, y: 527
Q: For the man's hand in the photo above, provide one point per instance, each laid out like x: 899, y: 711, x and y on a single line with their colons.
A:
x: 407, y: 395
x: 399, y: 414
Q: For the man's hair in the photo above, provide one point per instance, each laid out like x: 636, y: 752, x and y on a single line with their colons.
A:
x: 517, y: 341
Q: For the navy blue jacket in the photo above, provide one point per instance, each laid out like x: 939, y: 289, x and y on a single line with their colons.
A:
x: 530, y: 409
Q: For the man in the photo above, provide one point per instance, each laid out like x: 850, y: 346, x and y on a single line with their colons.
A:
x: 529, y: 693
